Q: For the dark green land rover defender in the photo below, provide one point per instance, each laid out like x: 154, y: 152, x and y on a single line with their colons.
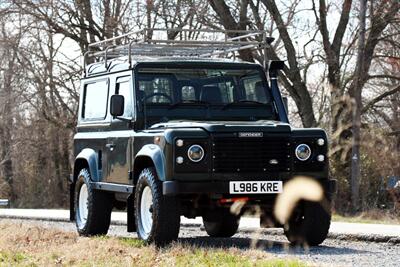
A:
x: 166, y: 128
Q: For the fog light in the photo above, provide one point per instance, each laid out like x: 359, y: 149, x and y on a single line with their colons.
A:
x: 303, y: 152
x: 179, y: 142
x: 179, y: 160
x: 320, y: 158
x: 321, y: 142
x: 195, y: 153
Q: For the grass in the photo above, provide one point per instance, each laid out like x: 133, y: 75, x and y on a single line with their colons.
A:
x: 372, y: 216
x: 201, y: 257
x: 30, y: 245
x: 13, y: 258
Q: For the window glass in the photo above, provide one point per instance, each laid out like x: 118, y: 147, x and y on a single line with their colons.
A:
x: 95, y: 100
x: 124, y: 89
x: 188, y: 93
x: 157, y: 90
x: 227, y: 91
x: 213, y: 85
x: 221, y: 92
x: 255, y: 90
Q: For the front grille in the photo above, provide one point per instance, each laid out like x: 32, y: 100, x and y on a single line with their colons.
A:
x: 235, y: 154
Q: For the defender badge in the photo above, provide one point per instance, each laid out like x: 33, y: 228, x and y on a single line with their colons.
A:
x: 273, y: 162
x: 251, y: 134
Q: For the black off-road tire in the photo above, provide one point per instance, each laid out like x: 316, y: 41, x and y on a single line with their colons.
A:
x: 165, y: 211
x: 311, y: 227
x: 99, y: 208
x: 221, y: 224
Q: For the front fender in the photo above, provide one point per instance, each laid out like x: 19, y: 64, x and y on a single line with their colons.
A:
x: 91, y: 158
x: 155, y: 153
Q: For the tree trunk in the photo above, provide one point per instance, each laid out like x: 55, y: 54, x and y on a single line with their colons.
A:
x: 357, y: 106
x: 6, y: 163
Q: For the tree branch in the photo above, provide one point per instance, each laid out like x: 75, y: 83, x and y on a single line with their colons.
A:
x: 380, y: 97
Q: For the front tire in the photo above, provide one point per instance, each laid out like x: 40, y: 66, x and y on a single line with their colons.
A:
x: 157, y: 216
x: 92, y: 207
x: 311, y: 227
x: 221, y: 224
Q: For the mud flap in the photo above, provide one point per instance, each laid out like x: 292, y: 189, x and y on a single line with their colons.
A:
x: 130, y: 204
x: 71, y: 202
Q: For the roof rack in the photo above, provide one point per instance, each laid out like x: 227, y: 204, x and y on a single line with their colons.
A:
x: 176, y: 43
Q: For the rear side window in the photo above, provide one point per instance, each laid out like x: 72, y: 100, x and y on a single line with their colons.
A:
x: 95, y: 97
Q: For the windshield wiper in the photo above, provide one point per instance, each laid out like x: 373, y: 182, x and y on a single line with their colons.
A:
x: 241, y: 102
x: 190, y: 101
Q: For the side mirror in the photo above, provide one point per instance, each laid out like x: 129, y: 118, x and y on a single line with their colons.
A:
x: 117, y: 105
x: 285, y: 103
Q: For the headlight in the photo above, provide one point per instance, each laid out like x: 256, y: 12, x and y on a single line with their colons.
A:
x: 303, y: 152
x: 195, y: 153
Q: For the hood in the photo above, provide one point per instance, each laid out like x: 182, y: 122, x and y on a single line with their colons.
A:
x: 227, y: 126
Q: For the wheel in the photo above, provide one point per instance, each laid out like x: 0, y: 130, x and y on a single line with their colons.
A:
x: 311, y: 227
x: 92, y: 207
x: 157, y: 216
x: 221, y: 224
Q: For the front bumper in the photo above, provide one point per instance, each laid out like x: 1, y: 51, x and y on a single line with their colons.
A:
x: 173, y: 188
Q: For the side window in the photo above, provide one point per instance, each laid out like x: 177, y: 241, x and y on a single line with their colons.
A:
x: 123, y: 88
x: 95, y: 100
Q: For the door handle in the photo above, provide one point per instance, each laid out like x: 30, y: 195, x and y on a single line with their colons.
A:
x: 110, y: 146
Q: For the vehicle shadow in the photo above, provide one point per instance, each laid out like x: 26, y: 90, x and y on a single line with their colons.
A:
x: 265, y: 244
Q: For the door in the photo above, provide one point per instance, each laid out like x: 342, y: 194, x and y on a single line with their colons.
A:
x: 119, y: 143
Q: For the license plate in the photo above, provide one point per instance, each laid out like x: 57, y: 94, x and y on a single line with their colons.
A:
x: 255, y: 187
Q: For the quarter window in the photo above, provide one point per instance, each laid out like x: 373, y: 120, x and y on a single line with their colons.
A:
x: 95, y: 100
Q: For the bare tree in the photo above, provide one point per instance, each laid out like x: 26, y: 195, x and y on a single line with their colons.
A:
x: 78, y: 19
x: 9, y: 42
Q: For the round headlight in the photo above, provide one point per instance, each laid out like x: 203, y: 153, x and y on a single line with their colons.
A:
x: 195, y: 153
x: 303, y: 152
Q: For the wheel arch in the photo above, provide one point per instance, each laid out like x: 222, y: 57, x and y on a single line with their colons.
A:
x: 149, y: 156
x: 87, y: 158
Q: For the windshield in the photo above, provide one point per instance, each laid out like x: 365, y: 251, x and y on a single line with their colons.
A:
x: 204, y: 94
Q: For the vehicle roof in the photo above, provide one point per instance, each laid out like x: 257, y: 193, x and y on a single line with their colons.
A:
x: 122, y: 63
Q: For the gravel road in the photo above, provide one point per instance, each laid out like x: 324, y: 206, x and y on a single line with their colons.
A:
x: 333, y: 252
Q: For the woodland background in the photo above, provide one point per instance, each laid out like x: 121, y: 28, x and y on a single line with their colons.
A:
x: 342, y: 73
